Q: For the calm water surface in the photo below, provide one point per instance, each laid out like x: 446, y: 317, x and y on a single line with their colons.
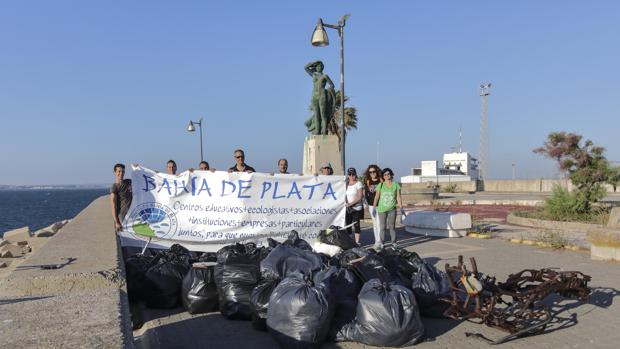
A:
x: 40, y: 208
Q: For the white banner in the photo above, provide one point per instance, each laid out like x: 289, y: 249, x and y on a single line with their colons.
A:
x: 205, y: 210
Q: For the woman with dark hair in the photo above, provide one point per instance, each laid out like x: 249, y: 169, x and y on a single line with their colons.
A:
x: 387, y: 197
x: 372, y: 178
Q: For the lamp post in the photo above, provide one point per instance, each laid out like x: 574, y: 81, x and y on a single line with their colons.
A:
x: 319, y: 38
x: 191, y: 128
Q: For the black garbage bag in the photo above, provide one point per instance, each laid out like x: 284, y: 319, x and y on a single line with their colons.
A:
x: 259, y: 302
x: 372, y: 267
x: 387, y: 315
x: 294, y: 240
x: 163, y: 280
x: 272, y: 243
x: 430, y: 285
x: 236, y: 274
x: 208, y: 257
x: 347, y: 256
x: 198, y: 291
x: 299, y: 312
x: 285, y: 259
x: 400, y: 263
x: 163, y: 284
x: 135, y: 270
x: 344, y: 286
x: 337, y: 237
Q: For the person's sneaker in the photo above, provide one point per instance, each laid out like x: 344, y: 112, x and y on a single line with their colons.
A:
x: 377, y: 247
x: 395, y: 244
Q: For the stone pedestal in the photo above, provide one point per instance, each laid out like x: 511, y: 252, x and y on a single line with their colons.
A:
x: 320, y: 150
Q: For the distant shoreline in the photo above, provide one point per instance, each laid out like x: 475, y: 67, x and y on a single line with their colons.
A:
x: 53, y: 187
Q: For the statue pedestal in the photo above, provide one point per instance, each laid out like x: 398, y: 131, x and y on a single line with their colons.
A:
x: 320, y: 150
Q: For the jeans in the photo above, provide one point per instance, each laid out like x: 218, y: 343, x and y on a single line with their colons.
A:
x: 387, y: 220
x: 376, y: 228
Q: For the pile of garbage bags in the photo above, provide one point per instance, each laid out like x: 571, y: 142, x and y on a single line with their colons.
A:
x: 301, y: 296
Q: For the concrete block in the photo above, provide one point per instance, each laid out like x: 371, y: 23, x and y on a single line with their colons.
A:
x: 55, y: 227
x: 614, y: 218
x: 605, y: 245
x: 11, y: 251
x: 19, y: 234
x: 43, y: 233
x: 433, y: 223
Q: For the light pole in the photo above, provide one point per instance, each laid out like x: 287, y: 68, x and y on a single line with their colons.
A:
x: 319, y: 38
x: 191, y: 128
x: 513, y: 171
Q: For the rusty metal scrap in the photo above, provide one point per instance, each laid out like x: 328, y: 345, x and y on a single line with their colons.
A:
x: 513, y: 306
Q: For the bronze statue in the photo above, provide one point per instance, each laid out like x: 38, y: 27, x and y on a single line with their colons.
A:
x: 323, y: 103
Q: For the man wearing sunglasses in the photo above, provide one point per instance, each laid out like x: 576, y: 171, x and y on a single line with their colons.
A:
x: 240, y: 165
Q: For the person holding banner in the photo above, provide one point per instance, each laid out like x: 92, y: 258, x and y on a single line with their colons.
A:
x: 283, y: 166
x: 171, y: 167
x: 387, y: 197
x: 240, y: 165
x: 120, y: 196
x: 355, y: 207
x: 327, y: 170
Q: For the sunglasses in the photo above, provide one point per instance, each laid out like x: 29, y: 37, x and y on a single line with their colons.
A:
x: 239, y: 157
x: 387, y: 173
x: 373, y: 171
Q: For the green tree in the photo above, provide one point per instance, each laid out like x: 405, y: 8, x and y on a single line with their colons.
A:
x: 614, y: 177
x: 350, y: 120
x: 587, y: 167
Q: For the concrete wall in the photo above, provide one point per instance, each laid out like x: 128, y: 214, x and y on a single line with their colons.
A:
x: 538, y: 185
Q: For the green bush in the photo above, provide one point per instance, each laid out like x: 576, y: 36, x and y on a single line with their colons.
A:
x: 450, y: 188
x: 563, y: 205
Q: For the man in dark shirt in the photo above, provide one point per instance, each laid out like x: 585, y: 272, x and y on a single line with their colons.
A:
x: 120, y: 196
x: 240, y: 165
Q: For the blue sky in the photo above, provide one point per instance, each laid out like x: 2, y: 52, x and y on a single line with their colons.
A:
x: 86, y: 84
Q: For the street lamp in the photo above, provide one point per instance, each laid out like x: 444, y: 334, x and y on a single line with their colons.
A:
x: 191, y: 128
x: 320, y: 39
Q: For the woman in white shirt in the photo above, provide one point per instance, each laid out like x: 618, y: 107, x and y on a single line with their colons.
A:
x: 354, y: 205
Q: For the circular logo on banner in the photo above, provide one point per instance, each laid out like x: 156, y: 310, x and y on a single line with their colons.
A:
x: 153, y: 220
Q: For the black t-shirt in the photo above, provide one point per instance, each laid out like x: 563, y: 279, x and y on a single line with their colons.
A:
x: 123, y: 196
x: 370, y: 189
x: 247, y: 168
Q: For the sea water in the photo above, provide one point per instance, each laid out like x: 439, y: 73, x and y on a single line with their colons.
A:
x: 38, y: 208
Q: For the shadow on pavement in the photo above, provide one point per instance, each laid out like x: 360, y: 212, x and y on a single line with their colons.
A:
x: 23, y: 299
x: 603, y: 296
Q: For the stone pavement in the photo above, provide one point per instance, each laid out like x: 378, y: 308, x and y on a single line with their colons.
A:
x: 579, y: 325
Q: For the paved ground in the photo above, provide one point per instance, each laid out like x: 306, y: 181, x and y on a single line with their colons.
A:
x: 578, y: 325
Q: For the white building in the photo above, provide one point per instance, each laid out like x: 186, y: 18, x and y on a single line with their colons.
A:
x: 456, y: 167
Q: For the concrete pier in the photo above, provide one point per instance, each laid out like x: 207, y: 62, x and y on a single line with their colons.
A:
x: 80, y: 305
